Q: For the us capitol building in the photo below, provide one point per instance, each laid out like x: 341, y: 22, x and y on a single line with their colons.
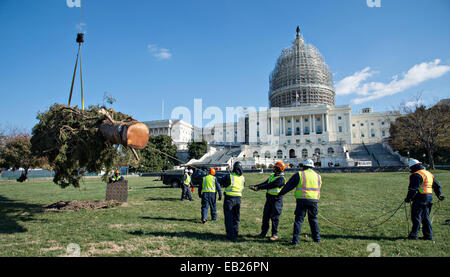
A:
x: 302, y: 122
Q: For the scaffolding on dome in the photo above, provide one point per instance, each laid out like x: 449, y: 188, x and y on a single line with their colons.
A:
x: 301, y: 77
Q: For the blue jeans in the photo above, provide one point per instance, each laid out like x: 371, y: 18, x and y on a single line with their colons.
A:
x: 186, y: 193
x: 420, y: 215
x: 231, y: 212
x: 272, y: 211
x: 303, y: 207
x: 209, y: 201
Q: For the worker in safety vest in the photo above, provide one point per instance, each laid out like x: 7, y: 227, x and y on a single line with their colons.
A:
x: 307, y: 185
x: 185, y: 187
x: 207, y: 192
x: 116, y: 177
x: 420, y: 192
x: 274, y: 202
x: 234, y: 185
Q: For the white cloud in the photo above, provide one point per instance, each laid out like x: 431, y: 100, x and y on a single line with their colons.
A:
x: 413, y: 103
x: 159, y: 53
x: 152, y: 47
x: 368, y: 91
x: 163, y: 54
x: 349, y: 84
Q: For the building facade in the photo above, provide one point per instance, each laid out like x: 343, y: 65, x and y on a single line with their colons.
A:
x: 180, y: 131
x: 302, y: 121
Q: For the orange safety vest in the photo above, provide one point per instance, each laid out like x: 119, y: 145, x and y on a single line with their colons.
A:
x: 426, y: 187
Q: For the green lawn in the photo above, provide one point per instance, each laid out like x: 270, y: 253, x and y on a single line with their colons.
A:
x: 155, y: 223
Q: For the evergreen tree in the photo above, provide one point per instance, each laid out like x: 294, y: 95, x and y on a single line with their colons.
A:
x: 197, y: 149
x: 156, y: 156
x: 76, y: 141
x: 15, y: 153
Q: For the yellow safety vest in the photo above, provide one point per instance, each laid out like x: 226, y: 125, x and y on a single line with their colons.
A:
x: 209, y: 184
x: 309, y: 185
x: 236, y: 185
x: 116, y: 178
x: 188, y: 180
x: 274, y: 191
x: 426, y: 187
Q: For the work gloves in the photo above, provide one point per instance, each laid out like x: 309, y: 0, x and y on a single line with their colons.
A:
x: 220, y: 197
x: 407, y: 200
x: 255, y: 188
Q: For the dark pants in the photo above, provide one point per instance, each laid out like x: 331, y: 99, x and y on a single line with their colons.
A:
x: 209, y: 201
x: 420, y: 214
x: 186, y: 193
x: 272, y: 211
x: 231, y: 212
x: 302, y: 208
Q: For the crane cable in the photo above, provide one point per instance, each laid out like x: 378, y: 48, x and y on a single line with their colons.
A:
x: 81, y: 76
x: 170, y: 156
x: 79, y: 40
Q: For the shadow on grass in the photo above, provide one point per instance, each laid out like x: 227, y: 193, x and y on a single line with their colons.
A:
x: 162, y: 199
x: 187, y: 234
x: 12, y: 212
x: 201, y: 236
x: 361, y: 237
x: 171, y: 219
x: 250, y: 238
x: 158, y: 187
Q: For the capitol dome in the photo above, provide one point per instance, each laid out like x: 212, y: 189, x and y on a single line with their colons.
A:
x: 301, y: 77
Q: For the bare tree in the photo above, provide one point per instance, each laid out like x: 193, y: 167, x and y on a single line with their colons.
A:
x: 421, y: 130
x: 108, y: 98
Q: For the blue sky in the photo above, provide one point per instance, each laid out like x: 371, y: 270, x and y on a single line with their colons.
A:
x: 143, y: 52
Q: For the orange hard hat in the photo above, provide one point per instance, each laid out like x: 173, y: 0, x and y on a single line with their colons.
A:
x: 280, y: 165
x: 212, y: 171
x: 117, y: 171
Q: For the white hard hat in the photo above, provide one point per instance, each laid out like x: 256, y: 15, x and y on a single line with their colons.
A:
x: 309, y: 163
x: 413, y: 162
x: 186, y: 170
x: 191, y: 171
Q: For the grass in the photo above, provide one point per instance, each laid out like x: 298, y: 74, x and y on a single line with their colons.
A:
x: 155, y: 223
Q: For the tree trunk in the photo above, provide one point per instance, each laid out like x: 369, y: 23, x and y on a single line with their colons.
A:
x: 430, y: 158
x: 24, y: 176
x: 134, y: 135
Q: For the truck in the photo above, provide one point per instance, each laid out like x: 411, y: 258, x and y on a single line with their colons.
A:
x: 174, y: 178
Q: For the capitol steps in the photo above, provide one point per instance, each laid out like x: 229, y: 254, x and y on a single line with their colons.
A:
x: 383, y: 156
x: 222, y: 156
x: 375, y: 153
x: 358, y: 152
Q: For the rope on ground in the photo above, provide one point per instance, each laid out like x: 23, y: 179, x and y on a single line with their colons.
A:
x: 406, y: 218
x: 380, y: 216
x: 435, y: 210
x: 369, y: 226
